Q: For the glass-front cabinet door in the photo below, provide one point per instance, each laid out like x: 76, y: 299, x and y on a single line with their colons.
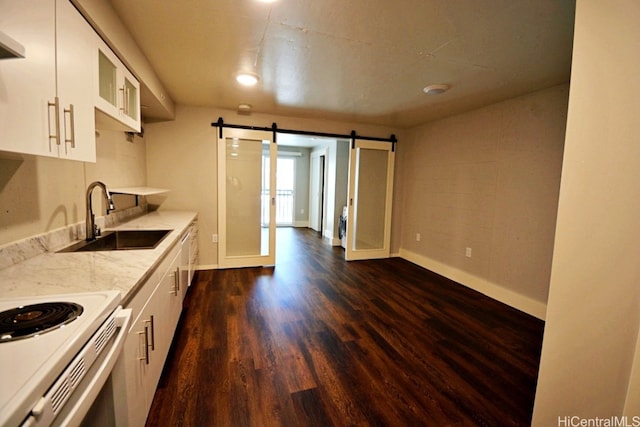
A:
x: 118, y: 100
x: 108, y: 83
x: 130, y: 96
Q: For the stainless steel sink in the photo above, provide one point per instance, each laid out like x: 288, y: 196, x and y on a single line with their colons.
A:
x: 121, y: 240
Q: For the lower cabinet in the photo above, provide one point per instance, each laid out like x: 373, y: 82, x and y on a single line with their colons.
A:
x: 193, y: 250
x: 189, y: 244
x: 149, y: 340
x: 184, y: 269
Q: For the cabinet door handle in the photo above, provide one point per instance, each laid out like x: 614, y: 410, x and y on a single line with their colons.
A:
x: 126, y: 107
x: 127, y: 104
x: 153, y: 332
x: 175, y: 289
x: 56, y: 111
x: 72, y: 125
x: 146, y: 344
x: 177, y: 279
x: 124, y: 100
x: 185, y: 237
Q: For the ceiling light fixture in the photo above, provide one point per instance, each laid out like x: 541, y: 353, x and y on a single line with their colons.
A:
x: 247, y: 79
x: 244, y: 109
x: 436, y: 89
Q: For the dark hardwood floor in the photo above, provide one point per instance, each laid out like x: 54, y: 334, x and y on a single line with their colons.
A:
x: 317, y: 341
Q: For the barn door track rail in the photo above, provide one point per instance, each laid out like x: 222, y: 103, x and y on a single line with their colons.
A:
x: 353, y: 136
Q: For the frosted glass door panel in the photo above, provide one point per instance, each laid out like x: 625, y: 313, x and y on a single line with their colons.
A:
x: 108, y: 81
x: 244, y: 197
x: 370, y: 199
x: 130, y: 99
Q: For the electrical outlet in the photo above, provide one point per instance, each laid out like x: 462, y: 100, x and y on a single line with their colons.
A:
x: 214, y: 238
x: 301, y: 211
x: 418, y: 237
x: 468, y: 253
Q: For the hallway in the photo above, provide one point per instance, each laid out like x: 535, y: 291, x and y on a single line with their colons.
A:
x: 319, y: 341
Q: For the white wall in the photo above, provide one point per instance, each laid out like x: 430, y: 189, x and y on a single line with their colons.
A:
x: 343, y: 148
x: 487, y: 180
x: 182, y: 157
x: 40, y: 194
x: 632, y: 402
x: 593, y: 314
x: 337, y: 184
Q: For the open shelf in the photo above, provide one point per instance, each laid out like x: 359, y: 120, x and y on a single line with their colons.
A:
x: 138, y: 191
x: 9, y: 48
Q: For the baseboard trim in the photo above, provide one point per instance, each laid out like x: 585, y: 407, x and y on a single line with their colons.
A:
x: 506, y: 296
x: 334, y: 241
x: 206, y: 267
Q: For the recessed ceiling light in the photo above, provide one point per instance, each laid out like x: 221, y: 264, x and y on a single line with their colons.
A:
x: 435, y: 89
x: 247, y: 79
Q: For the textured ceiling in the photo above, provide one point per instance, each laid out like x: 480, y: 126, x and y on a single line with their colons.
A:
x: 359, y: 60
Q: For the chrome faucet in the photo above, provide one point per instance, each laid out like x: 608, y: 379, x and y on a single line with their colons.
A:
x: 92, y: 230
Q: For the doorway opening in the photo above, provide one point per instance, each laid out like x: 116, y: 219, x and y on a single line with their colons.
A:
x: 285, y: 191
x: 317, y: 192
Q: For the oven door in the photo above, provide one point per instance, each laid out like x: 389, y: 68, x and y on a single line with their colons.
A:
x: 82, y: 391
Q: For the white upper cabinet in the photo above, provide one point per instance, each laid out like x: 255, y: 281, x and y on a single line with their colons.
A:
x: 77, y: 79
x: 47, y: 109
x: 28, y: 85
x: 118, y: 96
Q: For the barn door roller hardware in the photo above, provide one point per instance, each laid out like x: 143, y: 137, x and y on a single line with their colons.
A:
x: 220, y: 124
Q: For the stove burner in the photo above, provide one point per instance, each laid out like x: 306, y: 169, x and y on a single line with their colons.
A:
x: 29, y: 320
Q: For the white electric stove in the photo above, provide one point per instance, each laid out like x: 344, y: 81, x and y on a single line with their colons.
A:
x: 48, y: 345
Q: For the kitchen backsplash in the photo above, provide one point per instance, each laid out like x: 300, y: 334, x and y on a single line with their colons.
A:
x: 51, y: 241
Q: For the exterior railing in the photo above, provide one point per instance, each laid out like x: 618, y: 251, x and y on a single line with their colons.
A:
x: 284, y: 207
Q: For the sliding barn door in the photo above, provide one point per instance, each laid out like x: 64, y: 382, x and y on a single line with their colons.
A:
x: 246, y: 198
x: 370, y: 199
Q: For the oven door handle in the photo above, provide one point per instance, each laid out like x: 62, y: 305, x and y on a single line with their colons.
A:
x: 89, y: 393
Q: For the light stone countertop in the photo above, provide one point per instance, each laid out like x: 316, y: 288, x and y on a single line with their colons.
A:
x: 60, y: 273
